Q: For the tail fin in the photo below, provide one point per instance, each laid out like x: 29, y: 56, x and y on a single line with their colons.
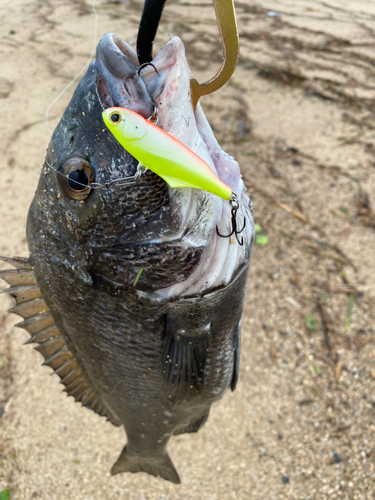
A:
x: 131, y: 462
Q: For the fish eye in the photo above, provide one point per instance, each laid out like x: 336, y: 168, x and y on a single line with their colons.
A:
x: 78, y: 179
x: 115, y: 117
x: 77, y: 176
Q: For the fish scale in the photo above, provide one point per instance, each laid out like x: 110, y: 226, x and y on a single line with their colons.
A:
x: 161, y: 264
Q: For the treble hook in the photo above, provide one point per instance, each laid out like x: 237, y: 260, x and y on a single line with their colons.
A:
x: 235, y: 206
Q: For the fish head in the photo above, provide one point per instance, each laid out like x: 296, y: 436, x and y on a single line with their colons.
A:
x: 78, y: 200
x: 86, y: 217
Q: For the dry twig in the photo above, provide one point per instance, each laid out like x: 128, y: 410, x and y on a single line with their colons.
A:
x: 285, y: 207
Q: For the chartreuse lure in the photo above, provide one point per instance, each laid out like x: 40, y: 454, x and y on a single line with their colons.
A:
x: 157, y: 150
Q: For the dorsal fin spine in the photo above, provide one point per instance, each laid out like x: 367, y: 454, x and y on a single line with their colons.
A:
x: 40, y: 324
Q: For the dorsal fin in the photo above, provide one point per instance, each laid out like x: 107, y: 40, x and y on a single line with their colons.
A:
x: 17, y: 277
x: 39, y: 322
x: 22, y: 263
x: 43, y: 335
x: 30, y: 308
x: 23, y: 293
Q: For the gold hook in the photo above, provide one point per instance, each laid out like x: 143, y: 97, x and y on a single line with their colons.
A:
x: 226, y: 19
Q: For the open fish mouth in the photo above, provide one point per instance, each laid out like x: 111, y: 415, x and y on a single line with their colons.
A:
x: 120, y: 81
x: 164, y: 85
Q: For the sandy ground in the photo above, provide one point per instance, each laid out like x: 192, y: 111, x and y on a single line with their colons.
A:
x: 299, y: 116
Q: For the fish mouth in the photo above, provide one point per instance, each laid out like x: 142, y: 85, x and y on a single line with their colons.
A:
x: 165, y: 84
x: 120, y: 82
x: 125, y: 83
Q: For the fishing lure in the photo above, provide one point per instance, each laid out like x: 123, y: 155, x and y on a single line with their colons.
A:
x: 169, y: 158
x: 166, y: 156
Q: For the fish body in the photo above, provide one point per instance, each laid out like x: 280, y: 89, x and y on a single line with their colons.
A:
x: 157, y: 150
x: 155, y: 356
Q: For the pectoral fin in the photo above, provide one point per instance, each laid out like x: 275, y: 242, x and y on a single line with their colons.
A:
x: 184, y: 359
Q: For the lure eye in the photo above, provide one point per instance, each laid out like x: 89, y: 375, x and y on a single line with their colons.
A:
x: 115, y: 117
x: 77, y: 176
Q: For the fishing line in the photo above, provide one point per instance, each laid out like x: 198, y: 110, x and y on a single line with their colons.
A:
x: 82, y: 70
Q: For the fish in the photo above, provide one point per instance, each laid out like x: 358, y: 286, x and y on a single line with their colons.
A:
x: 129, y: 292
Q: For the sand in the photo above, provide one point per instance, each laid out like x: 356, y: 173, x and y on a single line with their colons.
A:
x: 299, y: 117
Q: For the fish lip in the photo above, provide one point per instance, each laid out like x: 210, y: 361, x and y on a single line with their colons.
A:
x: 167, y: 56
x: 120, y: 83
x: 114, y: 52
x: 125, y: 48
x: 116, y: 61
x: 155, y: 298
x: 211, y: 291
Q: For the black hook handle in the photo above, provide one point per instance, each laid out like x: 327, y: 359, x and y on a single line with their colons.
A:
x: 148, y: 27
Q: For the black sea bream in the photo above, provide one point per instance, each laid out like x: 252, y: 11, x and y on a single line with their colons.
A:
x: 153, y: 354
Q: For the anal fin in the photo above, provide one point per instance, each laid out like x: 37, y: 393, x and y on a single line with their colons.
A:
x: 193, y: 426
x: 161, y: 466
x: 236, y: 356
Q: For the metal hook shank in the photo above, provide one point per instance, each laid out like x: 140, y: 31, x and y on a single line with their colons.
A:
x: 226, y: 19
